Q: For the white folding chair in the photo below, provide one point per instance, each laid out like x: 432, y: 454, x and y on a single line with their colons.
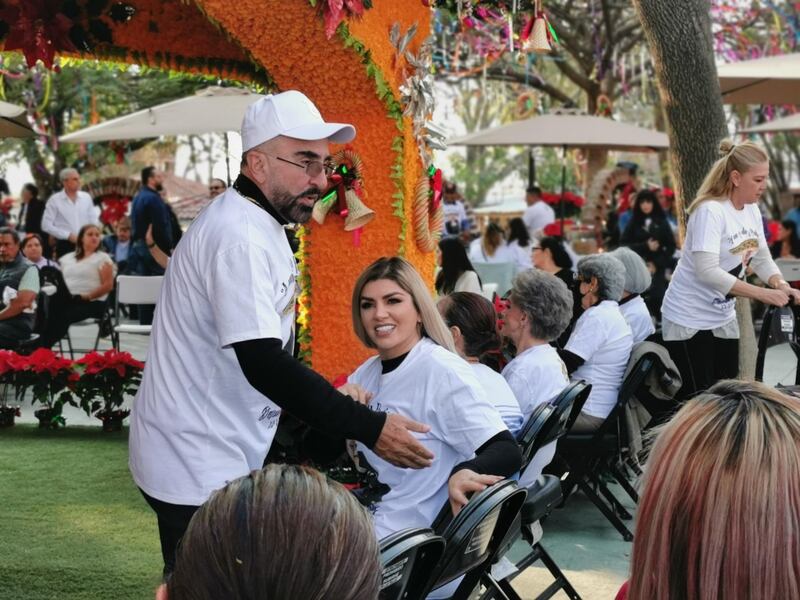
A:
x: 135, y: 289
x: 790, y: 268
x: 500, y: 273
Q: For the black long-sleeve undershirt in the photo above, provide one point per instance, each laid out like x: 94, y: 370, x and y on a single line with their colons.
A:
x: 571, y: 360
x: 500, y: 455
x: 305, y: 394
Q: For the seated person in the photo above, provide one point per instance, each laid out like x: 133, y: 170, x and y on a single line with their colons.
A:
x: 327, y: 546
x: 720, y: 503
x: 19, y: 286
x: 491, y: 247
x: 33, y: 248
x: 89, y: 277
x: 632, y: 305
x: 540, y: 307
x: 417, y: 374
x: 456, y: 273
x: 473, y: 323
x: 118, y: 245
x: 600, y: 345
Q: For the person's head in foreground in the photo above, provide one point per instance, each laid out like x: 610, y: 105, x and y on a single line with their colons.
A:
x: 281, y: 533
x: 601, y: 277
x: 393, y: 309
x: 285, y: 151
x: 539, y: 309
x: 473, y: 322
x: 719, y: 514
x: 741, y: 174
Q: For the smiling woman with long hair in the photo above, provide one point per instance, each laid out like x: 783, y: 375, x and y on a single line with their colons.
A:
x: 719, y: 513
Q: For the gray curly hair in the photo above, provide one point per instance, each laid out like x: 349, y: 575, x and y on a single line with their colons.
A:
x: 637, y: 276
x: 610, y: 274
x: 545, y: 300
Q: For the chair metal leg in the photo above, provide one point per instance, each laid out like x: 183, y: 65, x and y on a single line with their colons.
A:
x: 560, y: 578
x: 607, y: 512
x: 624, y: 483
x: 69, y: 345
x: 616, y: 505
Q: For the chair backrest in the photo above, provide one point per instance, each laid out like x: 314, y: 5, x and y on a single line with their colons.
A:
x: 526, y: 437
x: 135, y: 289
x: 779, y: 326
x: 408, y: 558
x: 568, y: 406
x: 474, y: 535
x: 630, y: 386
x: 500, y: 273
x: 790, y: 268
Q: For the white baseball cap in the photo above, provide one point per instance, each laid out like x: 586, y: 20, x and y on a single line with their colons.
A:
x: 293, y: 115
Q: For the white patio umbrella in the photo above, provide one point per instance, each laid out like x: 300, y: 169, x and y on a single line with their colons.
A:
x: 13, y: 122
x: 790, y: 123
x: 210, y: 110
x: 568, y: 130
x: 768, y: 80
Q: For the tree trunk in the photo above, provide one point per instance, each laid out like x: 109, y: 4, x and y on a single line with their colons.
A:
x: 679, y: 36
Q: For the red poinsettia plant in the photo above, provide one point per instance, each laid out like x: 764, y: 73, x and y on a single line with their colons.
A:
x: 7, y: 372
x: 105, y: 380
x: 50, y: 377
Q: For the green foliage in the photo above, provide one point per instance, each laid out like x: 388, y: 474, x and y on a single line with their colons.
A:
x: 112, y: 89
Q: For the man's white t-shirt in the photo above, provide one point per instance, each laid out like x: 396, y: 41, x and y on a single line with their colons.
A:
x: 436, y: 387
x: 538, y: 215
x: 197, y: 423
x: 500, y: 395
x: 604, y: 340
x: 536, y: 376
x: 736, y: 235
x: 638, y: 318
x: 63, y: 216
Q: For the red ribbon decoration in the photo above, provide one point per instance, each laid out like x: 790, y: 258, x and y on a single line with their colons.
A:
x: 436, y: 187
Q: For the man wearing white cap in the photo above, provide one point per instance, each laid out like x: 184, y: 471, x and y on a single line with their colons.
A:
x: 220, y: 368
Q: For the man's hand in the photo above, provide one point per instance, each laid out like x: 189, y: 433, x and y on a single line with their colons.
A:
x: 397, y: 446
x: 464, y: 482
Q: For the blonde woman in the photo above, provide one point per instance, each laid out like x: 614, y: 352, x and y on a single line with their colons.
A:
x: 491, y: 247
x: 720, y: 505
x: 418, y: 374
x: 724, y: 237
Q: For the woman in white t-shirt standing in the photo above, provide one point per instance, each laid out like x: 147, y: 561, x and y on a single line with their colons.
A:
x: 418, y: 374
x: 724, y: 237
x: 473, y: 323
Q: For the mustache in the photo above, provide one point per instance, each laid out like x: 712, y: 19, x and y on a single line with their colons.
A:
x: 313, y: 192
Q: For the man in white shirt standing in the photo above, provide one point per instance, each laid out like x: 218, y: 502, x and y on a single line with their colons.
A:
x: 539, y: 213
x: 220, y: 367
x: 67, y: 211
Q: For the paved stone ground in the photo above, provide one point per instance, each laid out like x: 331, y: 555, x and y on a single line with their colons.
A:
x: 587, y: 548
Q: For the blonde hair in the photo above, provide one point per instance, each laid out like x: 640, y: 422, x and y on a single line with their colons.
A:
x: 405, y: 275
x: 720, y: 509
x: 733, y: 157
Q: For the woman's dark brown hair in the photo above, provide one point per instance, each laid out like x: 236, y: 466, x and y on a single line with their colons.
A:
x: 285, y: 532
x: 80, y: 252
x: 475, y: 317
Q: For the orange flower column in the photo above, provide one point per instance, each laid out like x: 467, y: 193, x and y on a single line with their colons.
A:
x: 344, y: 77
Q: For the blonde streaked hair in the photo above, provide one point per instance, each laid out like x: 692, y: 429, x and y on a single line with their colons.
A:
x: 733, y: 157
x: 719, y: 514
x: 405, y: 275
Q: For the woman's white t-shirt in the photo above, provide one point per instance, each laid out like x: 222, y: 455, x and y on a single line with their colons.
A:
x: 438, y: 388
x: 603, y: 339
x: 468, y: 282
x: 638, y: 318
x: 500, y: 395
x: 522, y: 255
x: 502, y: 254
x: 83, y: 276
x: 536, y: 376
x: 736, y: 235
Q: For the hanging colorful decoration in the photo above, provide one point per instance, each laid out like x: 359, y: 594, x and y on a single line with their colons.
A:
x: 538, y: 35
x: 605, y: 108
x: 38, y: 29
x: 428, y: 210
x: 345, y: 195
x: 335, y: 11
x: 527, y: 105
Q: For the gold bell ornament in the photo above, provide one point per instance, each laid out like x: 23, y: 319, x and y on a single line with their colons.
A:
x: 358, y: 213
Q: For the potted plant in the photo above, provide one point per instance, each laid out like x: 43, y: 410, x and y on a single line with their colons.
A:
x: 8, y: 360
x: 103, y: 383
x: 50, y: 377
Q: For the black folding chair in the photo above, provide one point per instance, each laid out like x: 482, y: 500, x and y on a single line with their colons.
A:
x: 590, y: 455
x: 473, y: 538
x: 778, y: 327
x: 408, y: 558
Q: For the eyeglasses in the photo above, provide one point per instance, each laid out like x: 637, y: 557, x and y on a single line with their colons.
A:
x: 311, y: 167
x: 535, y: 248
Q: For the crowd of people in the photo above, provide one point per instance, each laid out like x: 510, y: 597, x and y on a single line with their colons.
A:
x: 454, y: 376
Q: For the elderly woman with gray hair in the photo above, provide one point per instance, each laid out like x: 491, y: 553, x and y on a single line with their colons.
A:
x: 540, y: 308
x: 632, y: 305
x: 600, y: 345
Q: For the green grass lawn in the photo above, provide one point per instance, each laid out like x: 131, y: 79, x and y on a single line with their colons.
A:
x: 73, y: 526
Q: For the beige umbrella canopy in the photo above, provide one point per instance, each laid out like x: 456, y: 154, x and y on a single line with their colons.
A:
x: 769, y: 80
x: 568, y: 130
x: 791, y: 123
x: 13, y: 122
